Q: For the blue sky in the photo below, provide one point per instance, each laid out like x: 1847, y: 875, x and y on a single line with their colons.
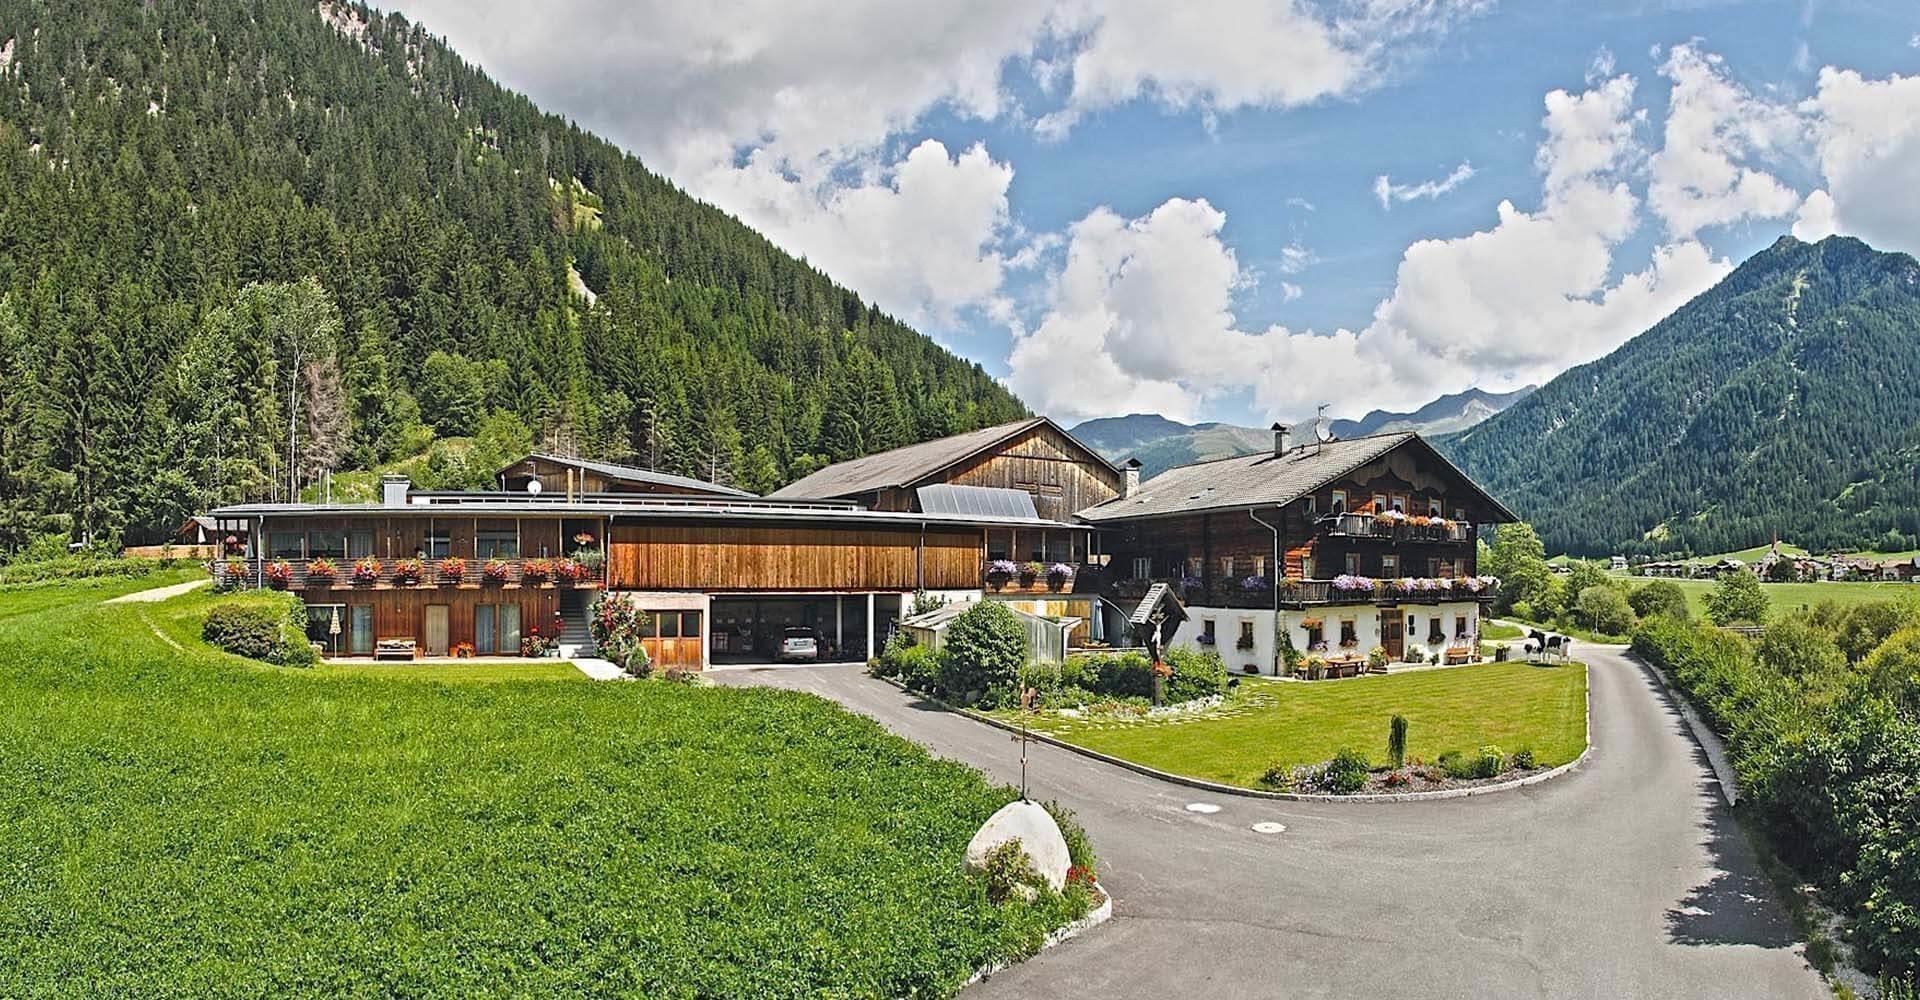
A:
x: 1118, y: 207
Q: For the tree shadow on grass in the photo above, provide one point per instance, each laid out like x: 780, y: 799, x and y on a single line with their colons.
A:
x: 1738, y: 904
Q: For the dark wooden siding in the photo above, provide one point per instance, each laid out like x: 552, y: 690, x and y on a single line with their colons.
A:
x: 1060, y: 474
x: 401, y: 612
x: 724, y: 557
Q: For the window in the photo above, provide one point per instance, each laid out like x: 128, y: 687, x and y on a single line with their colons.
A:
x: 1206, y: 632
x: 1246, y: 633
x: 1435, y: 508
x: 439, y: 543
x: 328, y: 544
x: 1226, y: 567
x: 285, y: 545
x: 1435, y: 631
x: 1339, y: 505
x: 1439, y: 567
x: 669, y: 626
x: 1193, y: 566
x: 1460, y: 514
x: 1353, y: 564
x: 496, y: 545
x: 999, y: 544
x: 1310, y: 506
x: 1400, y: 502
x: 1459, y: 626
x: 690, y: 624
x: 1379, y: 502
x: 322, y: 619
x: 1316, y: 634
x: 1349, y: 634
x: 1389, y: 564
x: 359, y: 544
x: 1143, y: 567
x: 496, y: 628
x: 1259, y: 565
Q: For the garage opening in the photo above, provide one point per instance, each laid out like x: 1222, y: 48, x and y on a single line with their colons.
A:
x: 754, y: 628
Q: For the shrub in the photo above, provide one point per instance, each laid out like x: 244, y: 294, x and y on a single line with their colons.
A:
x: 1008, y: 873
x: 919, y: 668
x: 1660, y: 597
x: 1079, y: 846
x: 1523, y: 759
x: 270, y: 631
x: 985, y: 648
x: 1196, y: 674
x: 1377, y: 657
x: 1737, y: 599
x: 1489, y: 763
x: 1604, y: 609
x: 1397, y: 742
x: 1456, y: 765
x: 1863, y: 627
x: 1278, y: 778
x: 1346, y: 773
x: 1795, y: 647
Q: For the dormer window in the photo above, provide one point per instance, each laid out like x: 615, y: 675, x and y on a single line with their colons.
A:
x: 1339, y: 505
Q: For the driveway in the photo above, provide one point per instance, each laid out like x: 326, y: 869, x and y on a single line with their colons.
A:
x: 1627, y: 878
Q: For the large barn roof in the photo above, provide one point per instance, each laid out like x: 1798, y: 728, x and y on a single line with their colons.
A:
x: 903, y: 467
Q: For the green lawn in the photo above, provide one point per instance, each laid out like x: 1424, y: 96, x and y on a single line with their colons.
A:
x: 1787, y: 596
x: 190, y: 824
x: 1512, y: 705
x: 1490, y: 629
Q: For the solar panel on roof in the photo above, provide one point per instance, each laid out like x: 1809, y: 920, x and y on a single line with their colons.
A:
x: 976, y: 501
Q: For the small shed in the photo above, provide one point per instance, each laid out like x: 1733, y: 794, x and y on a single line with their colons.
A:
x: 1048, y: 639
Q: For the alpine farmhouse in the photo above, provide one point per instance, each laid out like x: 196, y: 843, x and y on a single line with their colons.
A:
x: 1345, y: 544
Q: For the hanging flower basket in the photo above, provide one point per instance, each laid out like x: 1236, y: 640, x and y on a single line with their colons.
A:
x: 495, y: 571
x: 451, y: 570
x: 583, y: 539
x: 367, y: 570
x: 536, y: 570
x: 322, y: 571
x: 280, y: 573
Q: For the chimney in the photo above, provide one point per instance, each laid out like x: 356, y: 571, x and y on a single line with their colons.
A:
x: 393, y: 490
x: 1280, y: 435
x: 1133, y: 478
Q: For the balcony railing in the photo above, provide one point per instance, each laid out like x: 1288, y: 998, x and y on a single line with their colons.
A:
x: 1395, y: 529
x: 1002, y: 576
x: 1306, y: 593
x: 346, y: 574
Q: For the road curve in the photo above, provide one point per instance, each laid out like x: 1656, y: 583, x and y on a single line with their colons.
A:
x: 1626, y: 878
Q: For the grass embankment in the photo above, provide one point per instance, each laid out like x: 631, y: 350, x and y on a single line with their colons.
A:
x: 1267, y: 722
x: 187, y: 823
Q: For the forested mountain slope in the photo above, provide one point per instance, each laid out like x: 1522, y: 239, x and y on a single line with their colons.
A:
x: 1786, y: 399
x: 215, y: 214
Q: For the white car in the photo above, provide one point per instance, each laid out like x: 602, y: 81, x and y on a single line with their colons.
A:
x: 798, y: 644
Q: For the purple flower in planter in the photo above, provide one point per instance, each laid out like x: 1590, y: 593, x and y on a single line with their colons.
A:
x: 1059, y: 571
x: 1351, y: 584
x: 1191, y: 582
x: 1002, y: 567
x: 1254, y: 582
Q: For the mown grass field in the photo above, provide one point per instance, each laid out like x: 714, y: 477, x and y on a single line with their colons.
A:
x: 1788, y: 596
x: 1268, y: 722
x: 189, y: 824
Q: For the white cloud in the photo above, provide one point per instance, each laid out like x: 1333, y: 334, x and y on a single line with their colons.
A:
x: 922, y: 240
x: 1701, y: 177
x: 1295, y: 258
x: 1387, y: 192
x: 1867, y: 136
x: 1290, y: 291
x: 1142, y: 313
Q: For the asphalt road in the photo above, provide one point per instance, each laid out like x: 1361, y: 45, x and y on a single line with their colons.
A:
x: 1626, y: 878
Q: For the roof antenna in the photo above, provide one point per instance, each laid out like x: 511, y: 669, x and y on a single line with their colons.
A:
x: 1322, y: 430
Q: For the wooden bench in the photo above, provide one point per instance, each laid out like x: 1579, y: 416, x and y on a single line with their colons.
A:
x: 394, y: 649
x: 1459, y: 654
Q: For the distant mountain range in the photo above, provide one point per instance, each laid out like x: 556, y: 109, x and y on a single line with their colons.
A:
x: 1161, y: 444
x: 1784, y: 401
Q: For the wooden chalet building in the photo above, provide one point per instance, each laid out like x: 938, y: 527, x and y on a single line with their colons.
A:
x: 1348, y: 545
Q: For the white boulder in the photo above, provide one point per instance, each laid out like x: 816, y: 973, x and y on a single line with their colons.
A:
x: 1031, y: 825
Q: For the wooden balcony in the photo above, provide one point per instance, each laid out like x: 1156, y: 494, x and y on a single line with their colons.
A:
x: 1081, y: 578
x: 510, y: 574
x: 1294, y: 594
x: 1386, y: 529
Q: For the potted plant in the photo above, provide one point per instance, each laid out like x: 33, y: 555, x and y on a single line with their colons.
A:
x: 495, y: 571
x: 567, y: 570
x: 1253, y: 583
x: 366, y: 570
x: 583, y: 539
x: 1030, y: 572
x: 322, y: 571
x: 536, y: 570
x: 1316, y: 668
x: 462, y: 651
x: 1377, y: 658
x: 1059, y: 575
x: 408, y: 571
x: 1351, y: 585
x: 280, y: 573
x: 452, y: 569
x: 1000, y: 571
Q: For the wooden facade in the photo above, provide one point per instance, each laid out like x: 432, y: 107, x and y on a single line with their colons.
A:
x: 787, y: 558
x: 559, y: 477
x: 406, y: 613
x: 1061, y: 474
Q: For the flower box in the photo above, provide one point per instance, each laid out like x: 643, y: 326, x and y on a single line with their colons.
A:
x: 495, y: 571
x: 408, y: 571
x: 1059, y: 575
x: 322, y: 571
x: 280, y: 573
x: 536, y: 570
x: 451, y: 570
x: 366, y: 571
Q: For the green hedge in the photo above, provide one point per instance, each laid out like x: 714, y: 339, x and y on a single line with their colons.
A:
x: 268, y: 627
x: 78, y: 567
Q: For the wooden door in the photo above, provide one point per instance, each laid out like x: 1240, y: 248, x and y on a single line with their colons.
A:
x: 436, y: 630
x: 677, y: 640
x: 1393, y: 635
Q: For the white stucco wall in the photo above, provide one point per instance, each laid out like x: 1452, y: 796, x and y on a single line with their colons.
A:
x: 1366, y: 619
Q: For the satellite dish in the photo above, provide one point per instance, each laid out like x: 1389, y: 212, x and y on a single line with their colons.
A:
x: 533, y: 487
x: 1322, y: 427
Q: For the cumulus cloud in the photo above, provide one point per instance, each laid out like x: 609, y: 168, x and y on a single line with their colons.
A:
x: 1702, y: 175
x: 1867, y: 136
x: 1141, y: 314
x: 1387, y: 192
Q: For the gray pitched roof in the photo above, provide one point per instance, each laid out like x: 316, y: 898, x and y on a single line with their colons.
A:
x: 1259, y: 480
x: 902, y: 467
x: 631, y: 474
